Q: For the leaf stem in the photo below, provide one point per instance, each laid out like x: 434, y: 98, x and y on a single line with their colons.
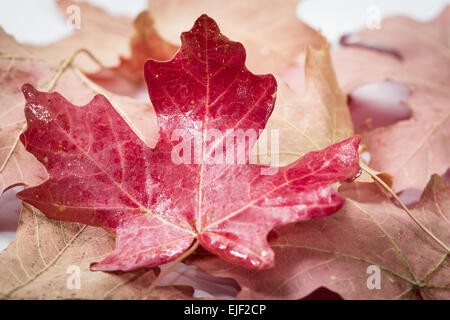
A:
x: 66, y: 63
x: 69, y: 61
x: 171, y: 266
x: 404, y: 207
x: 102, y: 66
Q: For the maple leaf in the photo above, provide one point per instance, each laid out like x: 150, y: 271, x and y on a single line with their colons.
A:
x: 102, y: 174
x: 336, y: 252
x: 414, y: 54
x: 269, y: 30
x: 39, y: 263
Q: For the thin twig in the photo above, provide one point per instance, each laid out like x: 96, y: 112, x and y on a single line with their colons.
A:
x: 404, y: 207
x: 102, y: 66
x: 69, y: 62
x: 64, y: 65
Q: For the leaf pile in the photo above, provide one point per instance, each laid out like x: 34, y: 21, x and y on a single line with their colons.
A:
x: 104, y: 195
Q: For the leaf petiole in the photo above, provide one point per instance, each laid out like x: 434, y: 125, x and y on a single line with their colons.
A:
x: 404, y: 207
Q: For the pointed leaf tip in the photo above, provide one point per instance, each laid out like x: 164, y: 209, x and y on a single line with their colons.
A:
x: 28, y: 91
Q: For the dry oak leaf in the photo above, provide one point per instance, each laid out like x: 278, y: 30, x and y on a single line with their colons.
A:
x: 336, y: 252
x: 47, y: 254
x: 102, y: 174
x: 17, y: 66
x: 269, y: 30
x: 422, y: 62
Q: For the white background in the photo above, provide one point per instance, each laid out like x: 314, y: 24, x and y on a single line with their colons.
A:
x: 39, y: 21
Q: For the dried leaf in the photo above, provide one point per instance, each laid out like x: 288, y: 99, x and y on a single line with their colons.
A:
x: 50, y: 260
x: 413, y: 149
x: 336, y: 252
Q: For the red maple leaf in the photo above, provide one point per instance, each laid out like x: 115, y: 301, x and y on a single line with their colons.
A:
x: 102, y: 174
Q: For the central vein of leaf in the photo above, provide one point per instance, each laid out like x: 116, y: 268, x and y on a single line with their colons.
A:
x: 204, y: 126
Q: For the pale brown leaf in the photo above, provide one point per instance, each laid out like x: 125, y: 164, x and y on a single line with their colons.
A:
x: 40, y: 264
x: 335, y: 252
